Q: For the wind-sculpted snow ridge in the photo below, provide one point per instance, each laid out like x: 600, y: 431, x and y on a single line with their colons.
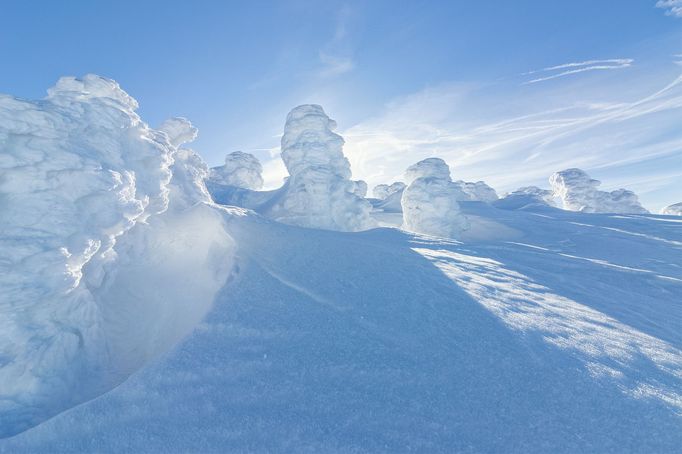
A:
x: 579, y: 192
x: 429, y: 203
x: 524, y: 197
x: 319, y: 192
x: 673, y: 210
x: 241, y: 170
x: 476, y: 192
x: 89, y: 288
x: 383, y: 191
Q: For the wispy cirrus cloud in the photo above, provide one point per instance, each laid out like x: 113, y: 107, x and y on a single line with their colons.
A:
x: 634, y: 143
x: 336, y: 57
x: 333, y: 65
x: 567, y: 69
x: 672, y: 7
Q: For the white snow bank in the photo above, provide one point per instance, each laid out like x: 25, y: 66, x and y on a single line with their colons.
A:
x: 673, y: 210
x: 525, y: 196
x: 476, y: 192
x: 91, y: 198
x: 383, y: 191
x: 429, y: 203
x: 319, y: 192
x: 242, y: 170
x: 579, y: 192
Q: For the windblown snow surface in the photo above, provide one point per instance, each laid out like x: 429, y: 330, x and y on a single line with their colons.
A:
x: 539, y: 330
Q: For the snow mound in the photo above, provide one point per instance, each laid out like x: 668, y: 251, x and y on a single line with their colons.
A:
x: 91, y: 198
x: 319, y: 192
x: 429, y: 203
x: 476, y: 192
x: 579, y: 192
x: 526, y: 196
x: 383, y: 191
x: 673, y: 210
x: 242, y: 170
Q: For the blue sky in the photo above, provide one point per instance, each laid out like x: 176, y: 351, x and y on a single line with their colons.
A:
x: 404, y: 80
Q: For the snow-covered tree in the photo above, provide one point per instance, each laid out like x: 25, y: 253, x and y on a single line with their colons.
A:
x: 319, y: 192
x: 429, y: 202
x: 579, y: 192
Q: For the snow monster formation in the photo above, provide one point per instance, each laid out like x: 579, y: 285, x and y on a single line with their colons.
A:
x: 476, y: 192
x: 673, y: 210
x: 384, y: 191
x: 526, y: 196
x: 92, y: 200
x: 579, y: 192
x: 319, y: 192
x: 241, y: 170
x: 429, y: 203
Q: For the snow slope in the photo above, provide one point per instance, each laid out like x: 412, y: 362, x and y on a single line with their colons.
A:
x: 543, y: 331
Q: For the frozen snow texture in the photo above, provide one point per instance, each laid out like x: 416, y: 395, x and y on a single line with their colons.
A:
x: 241, y: 170
x: 579, y: 192
x: 476, y: 192
x: 673, y: 210
x: 360, y: 188
x: 526, y: 196
x: 319, y: 192
x: 85, y: 193
x: 179, y: 130
x: 383, y: 191
x: 429, y: 203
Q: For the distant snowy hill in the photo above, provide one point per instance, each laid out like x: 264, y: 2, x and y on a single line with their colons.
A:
x: 543, y: 331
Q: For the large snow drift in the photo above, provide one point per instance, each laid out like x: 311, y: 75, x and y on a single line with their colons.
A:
x: 673, y: 210
x: 91, y: 200
x: 579, y: 192
x: 429, y: 203
x: 242, y: 170
x: 319, y: 192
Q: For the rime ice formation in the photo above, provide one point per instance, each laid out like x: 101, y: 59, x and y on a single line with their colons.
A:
x: 242, y: 170
x: 673, y: 210
x: 319, y: 192
x: 579, y: 192
x: 383, y: 191
x: 429, y: 203
x: 179, y: 130
x: 91, y: 199
x: 528, y: 195
x: 476, y: 192
x: 360, y: 188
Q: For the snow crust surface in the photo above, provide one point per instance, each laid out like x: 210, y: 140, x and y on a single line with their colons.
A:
x: 564, y: 339
x: 579, y: 192
x: 91, y: 199
x: 430, y: 201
